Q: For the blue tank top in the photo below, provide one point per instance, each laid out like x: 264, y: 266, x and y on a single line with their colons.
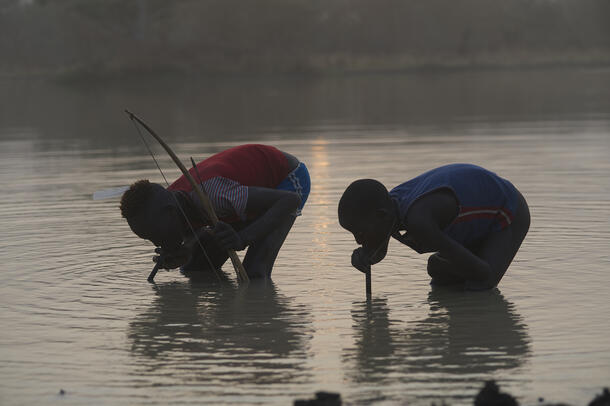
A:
x: 486, y: 201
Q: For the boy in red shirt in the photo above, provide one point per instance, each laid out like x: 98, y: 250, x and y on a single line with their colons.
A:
x: 257, y: 192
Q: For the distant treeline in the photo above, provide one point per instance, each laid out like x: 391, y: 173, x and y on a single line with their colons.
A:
x: 110, y: 37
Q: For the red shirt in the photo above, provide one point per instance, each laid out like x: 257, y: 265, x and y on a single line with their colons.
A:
x: 226, y: 175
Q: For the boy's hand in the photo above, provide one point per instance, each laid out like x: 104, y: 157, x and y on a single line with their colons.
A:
x: 172, y: 259
x: 227, y: 237
x: 360, y: 260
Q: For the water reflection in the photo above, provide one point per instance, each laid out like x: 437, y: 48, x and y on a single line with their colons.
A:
x: 218, y: 333
x: 464, y: 337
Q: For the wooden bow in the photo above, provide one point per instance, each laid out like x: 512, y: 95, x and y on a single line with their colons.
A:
x: 208, y: 209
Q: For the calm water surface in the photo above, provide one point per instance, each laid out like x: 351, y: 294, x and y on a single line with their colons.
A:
x: 77, y: 312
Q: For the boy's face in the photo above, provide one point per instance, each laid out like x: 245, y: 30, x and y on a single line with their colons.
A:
x: 373, y: 233
x: 166, y: 229
x: 161, y: 224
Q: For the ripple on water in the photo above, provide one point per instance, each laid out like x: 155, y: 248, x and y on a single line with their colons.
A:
x: 80, y: 315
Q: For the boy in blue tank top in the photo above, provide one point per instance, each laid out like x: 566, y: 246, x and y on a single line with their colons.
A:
x: 473, y: 220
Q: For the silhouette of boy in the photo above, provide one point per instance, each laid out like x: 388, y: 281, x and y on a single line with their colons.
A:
x: 473, y: 220
x: 257, y: 191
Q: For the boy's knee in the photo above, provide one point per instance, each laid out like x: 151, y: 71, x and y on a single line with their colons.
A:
x: 479, y: 285
x: 491, y: 282
x: 432, y: 271
x: 438, y: 269
x: 436, y: 264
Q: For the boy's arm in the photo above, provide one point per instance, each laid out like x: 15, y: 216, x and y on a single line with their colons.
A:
x: 465, y: 263
x: 408, y: 240
x: 426, y: 219
x: 275, y: 206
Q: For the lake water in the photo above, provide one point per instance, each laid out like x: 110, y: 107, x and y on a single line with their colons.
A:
x: 78, y: 315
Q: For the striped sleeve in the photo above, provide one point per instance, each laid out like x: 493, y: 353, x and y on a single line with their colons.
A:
x: 227, y: 196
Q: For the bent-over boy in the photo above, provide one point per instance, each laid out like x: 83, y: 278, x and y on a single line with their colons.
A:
x: 473, y: 220
x: 257, y: 191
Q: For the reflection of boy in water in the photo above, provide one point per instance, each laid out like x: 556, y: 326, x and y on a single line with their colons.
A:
x: 450, y: 342
x: 471, y: 218
x: 255, y: 335
x: 256, y: 191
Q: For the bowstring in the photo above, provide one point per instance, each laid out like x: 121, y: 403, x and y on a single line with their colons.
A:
x: 176, y: 200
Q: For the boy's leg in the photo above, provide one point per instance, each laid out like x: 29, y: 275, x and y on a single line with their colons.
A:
x: 261, y: 254
x: 440, y: 270
x: 500, y: 248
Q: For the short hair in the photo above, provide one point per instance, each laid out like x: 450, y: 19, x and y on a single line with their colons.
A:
x: 361, y: 198
x: 136, y: 198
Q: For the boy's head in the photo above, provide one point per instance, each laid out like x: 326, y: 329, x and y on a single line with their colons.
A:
x: 366, y: 210
x: 151, y: 212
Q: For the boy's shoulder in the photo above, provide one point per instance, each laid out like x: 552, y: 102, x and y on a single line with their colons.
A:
x: 437, y: 208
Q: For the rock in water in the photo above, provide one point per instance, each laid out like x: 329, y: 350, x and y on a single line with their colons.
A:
x: 490, y: 395
x: 321, y: 399
x: 601, y: 400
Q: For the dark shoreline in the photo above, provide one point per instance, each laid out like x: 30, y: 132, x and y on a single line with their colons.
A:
x: 84, y: 75
x: 489, y: 395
